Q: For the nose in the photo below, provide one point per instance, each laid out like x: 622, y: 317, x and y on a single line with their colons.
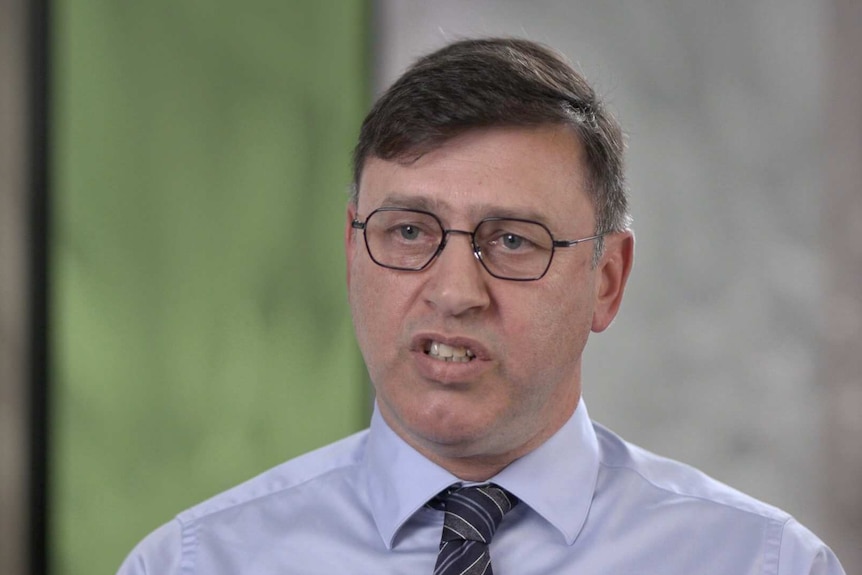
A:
x: 457, y: 282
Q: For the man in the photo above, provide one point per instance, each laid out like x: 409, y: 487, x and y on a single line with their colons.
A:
x: 487, y: 236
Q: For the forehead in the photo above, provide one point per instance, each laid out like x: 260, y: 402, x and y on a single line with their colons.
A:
x: 530, y: 172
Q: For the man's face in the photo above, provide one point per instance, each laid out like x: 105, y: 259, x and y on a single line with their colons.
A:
x: 526, y: 337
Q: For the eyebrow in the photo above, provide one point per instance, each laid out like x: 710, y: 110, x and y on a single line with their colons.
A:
x: 399, y: 200
x: 477, y: 212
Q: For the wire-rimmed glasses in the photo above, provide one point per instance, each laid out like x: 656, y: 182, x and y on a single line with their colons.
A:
x: 508, y: 248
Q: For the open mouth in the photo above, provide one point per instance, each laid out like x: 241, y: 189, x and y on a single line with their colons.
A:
x: 445, y: 352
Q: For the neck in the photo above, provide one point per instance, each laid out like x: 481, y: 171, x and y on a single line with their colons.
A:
x: 470, y: 464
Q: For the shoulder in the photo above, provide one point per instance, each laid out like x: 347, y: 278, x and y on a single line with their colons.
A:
x: 162, y: 551
x: 626, y: 462
x: 803, y: 552
x: 683, y: 504
x: 328, y: 462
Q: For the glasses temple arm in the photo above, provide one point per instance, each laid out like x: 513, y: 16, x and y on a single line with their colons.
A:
x: 570, y: 243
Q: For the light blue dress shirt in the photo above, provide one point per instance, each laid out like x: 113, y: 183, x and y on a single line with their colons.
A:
x: 591, y: 504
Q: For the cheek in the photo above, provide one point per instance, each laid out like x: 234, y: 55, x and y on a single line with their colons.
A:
x: 367, y: 279
x: 377, y: 303
x: 550, y: 333
x: 363, y: 305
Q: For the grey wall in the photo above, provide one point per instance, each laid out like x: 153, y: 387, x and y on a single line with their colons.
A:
x: 841, y: 359
x: 715, y: 358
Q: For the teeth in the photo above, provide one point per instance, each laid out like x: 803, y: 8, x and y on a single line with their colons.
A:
x: 449, y: 353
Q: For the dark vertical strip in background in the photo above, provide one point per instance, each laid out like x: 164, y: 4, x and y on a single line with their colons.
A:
x: 14, y: 288
x: 373, y: 25
x: 39, y: 314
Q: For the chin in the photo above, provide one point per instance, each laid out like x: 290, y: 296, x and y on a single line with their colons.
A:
x: 454, y: 438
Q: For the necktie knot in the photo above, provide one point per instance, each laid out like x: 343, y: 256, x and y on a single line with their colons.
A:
x: 474, y: 513
x: 472, y: 516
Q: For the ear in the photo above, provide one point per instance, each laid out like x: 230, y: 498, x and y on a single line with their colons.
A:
x: 349, y: 238
x: 612, y: 273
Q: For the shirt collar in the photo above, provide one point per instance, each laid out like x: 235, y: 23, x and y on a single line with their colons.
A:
x: 556, y: 480
x: 399, y: 479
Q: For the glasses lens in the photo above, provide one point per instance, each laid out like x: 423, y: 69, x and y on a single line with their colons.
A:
x: 515, y: 249
x: 402, y: 239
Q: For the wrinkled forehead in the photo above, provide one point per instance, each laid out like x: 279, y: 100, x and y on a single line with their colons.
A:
x: 420, y: 146
x: 533, y: 173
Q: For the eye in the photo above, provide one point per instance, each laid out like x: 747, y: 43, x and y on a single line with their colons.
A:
x: 512, y: 237
x: 505, y: 241
x: 409, y: 232
x: 511, y: 241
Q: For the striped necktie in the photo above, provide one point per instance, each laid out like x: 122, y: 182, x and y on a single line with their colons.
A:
x: 472, y: 516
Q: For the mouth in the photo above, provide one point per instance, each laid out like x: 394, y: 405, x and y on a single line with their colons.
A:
x: 444, y: 352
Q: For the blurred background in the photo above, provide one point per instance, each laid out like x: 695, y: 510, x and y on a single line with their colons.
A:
x: 172, y: 308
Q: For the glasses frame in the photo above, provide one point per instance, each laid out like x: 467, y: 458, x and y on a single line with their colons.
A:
x: 477, y: 250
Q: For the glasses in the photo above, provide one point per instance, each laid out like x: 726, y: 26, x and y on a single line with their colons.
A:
x: 508, y: 248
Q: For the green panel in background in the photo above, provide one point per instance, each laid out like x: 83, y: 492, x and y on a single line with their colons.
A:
x: 201, y: 329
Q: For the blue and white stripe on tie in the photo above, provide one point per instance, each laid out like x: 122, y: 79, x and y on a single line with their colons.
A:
x: 472, y: 516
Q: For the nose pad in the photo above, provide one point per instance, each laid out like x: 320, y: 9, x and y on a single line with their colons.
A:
x: 477, y: 251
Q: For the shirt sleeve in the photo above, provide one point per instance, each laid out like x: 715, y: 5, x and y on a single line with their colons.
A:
x: 157, y: 554
x: 803, y: 553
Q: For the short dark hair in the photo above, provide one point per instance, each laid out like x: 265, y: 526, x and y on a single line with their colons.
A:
x: 489, y: 82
